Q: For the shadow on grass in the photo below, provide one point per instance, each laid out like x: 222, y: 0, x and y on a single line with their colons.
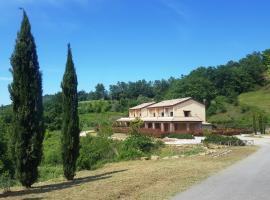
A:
x: 59, y: 186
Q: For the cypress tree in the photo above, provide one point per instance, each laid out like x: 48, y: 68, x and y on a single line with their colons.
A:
x: 26, y: 96
x: 70, y: 127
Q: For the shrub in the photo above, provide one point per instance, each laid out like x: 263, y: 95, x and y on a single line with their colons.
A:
x: 135, y: 126
x: 105, y: 129
x: 6, y: 182
x: 223, y: 140
x: 47, y: 172
x: 52, y: 149
x: 94, y: 150
x: 140, y: 142
x: 181, y: 136
x: 138, y: 145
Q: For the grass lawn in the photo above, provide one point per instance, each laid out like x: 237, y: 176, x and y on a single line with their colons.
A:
x: 259, y: 99
x: 138, y: 179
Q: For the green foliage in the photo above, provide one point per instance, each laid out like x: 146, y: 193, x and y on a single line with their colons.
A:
x: 95, y: 106
x: 262, y: 123
x: 52, y: 149
x: 223, y: 140
x: 51, y: 165
x: 105, y: 129
x: 135, y: 125
x: 94, y: 120
x: 218, y: 105
x: 48, y: 172
x: 138, y: 145
x: 53, y: 111
x: 6, y: 182
x: 26, y: 95
x: 95, y: 150
x: 177, y: 151
x: 181, y: 136
x: 100, y: 92
x: 70, y: 128
x: 6, y: 162
x: 193, y: 86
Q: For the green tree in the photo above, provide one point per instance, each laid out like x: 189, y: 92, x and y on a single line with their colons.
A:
x: 100, y: 92
x: 70, y: 127
x: 26, y: 96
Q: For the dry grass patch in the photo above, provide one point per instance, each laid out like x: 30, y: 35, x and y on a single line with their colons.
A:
x: 135, y: 179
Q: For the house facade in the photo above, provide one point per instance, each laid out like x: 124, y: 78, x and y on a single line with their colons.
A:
x: 176, y: 115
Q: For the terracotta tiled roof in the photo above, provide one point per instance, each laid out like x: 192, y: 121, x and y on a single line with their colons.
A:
x: 169, y: 102
x: 143, y: 105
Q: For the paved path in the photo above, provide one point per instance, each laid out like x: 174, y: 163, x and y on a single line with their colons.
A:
x: 248, y: 179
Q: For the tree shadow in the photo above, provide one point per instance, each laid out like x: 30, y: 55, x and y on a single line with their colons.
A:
x: 59, y: 186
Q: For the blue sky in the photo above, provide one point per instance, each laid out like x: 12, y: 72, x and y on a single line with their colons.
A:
x: 128, y: 40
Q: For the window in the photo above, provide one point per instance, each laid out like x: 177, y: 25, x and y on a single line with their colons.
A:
x: 171, y: 114
x: 187, y: 113
x: 162, y: 114
x: 154, y: 114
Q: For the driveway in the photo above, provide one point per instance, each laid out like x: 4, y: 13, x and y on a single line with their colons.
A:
x: 248, y: 179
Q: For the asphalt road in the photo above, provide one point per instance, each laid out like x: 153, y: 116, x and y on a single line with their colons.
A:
x: 248, y: 179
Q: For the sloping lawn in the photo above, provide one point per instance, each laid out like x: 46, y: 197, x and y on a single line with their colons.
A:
x: 148, y: 179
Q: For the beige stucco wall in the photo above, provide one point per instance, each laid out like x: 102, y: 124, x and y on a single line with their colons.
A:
x: 195, y: 107
x: 138, y: 113
x: 144, y: 112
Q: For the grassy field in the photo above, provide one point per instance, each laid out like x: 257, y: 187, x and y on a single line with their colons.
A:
x: 241, y: 115
x: 91, y: 120
x: 138, y: 179
x: 259, y: 99
x: 236, y: 116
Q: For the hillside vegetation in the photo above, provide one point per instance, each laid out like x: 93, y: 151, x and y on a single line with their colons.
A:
x: 234, y: 94
x: 240, y: 114
x: 258, y: 99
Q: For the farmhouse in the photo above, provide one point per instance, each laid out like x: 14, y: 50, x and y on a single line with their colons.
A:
x: 176, y: 115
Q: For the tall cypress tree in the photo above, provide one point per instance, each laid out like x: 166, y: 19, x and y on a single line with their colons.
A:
x: 26, y: 96
x: 70, y: 127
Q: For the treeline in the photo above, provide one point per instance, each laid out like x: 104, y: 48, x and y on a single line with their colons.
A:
x: 204, y: 83
x: 212, y: 85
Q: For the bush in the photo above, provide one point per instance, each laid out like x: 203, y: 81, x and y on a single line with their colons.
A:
x: 96, y: 150
x: 6, y: 182
x: 135, y: 126
x: 47, y: 172
x: 105, y: 129
x: 137, y: 146
x: 181, y: 136
x: 140, y: 142
x: 223, y: 140
x: 52, y: 149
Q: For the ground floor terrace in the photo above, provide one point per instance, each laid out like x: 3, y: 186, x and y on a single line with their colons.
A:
x: 166, y: 127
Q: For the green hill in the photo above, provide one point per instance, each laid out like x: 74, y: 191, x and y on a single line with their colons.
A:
x: 258, y: 99
x: 240, y: 114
